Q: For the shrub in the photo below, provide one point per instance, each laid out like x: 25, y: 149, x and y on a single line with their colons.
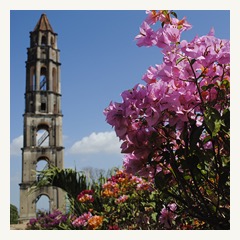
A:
x: 48, y: 221
x: 13, y: 214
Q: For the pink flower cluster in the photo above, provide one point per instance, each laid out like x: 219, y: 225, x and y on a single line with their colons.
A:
x: 121, y: 199
x: 168, y: 215
x: 121, y: 183
x: 114, y: 227
x: 163, y: 37
x: 82, y: 220
x: 175, y: 92
x: 88, y: 221
x: 85, y: 196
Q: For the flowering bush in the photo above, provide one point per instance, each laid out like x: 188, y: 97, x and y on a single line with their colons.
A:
x: 123, y: 201
x: 48, y: 221
x: 128, y: 202
x: 176, y: 128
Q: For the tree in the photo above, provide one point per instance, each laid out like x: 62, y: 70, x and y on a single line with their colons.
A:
x: 13, y: 214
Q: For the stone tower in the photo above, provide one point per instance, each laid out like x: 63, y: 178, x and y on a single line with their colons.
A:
x: 42, y: 118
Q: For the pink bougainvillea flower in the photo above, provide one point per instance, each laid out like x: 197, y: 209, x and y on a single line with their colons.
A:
x: 121, y: 199
x: 168, y: 215
x: 82, y: 220
x: 175, y: 90
x: 182, y: 24
x: 161, y: 39
x: 145, y: 37
x: 154, y: 16
x: 172, y: 33
x: 132, y: 164
x: 86, y: 196
x: 150, y: 76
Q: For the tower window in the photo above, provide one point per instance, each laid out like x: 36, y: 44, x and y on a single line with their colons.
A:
x: 43, y: 106
x: 42, y: 138
x: 52, y: 41
x: 44, y: 41
x: 43, y: 54
x: 43, y: 79
x: 32, y: 79
x: 43, y: 83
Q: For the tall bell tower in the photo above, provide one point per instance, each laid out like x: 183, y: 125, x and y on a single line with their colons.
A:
x: 42, y: 118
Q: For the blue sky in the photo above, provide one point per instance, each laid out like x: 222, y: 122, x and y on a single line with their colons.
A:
x: 99, y: 59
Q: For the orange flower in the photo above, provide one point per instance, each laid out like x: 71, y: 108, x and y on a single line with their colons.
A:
x: 95, y: 222
x: 109, y: 193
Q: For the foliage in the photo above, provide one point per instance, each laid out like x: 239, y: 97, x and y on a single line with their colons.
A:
x: 69, y: 180
x: 13, y: 214
x: 176, y: 128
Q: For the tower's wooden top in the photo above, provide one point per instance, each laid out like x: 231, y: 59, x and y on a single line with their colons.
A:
x: 43, y: 24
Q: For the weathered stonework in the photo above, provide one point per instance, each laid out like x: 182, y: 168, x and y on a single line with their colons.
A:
x: 42, y: 113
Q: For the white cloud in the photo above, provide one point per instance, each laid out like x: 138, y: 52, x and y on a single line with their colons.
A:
x: 16, y: 145
x: 102, y: 142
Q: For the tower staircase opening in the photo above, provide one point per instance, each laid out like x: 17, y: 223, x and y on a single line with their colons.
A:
x: 42, y: 83
x: 42, y: 139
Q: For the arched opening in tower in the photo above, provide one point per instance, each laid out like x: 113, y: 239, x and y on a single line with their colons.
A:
x: 53, y: 42
x: 42, y: 137
x: 42, y: 164
x: 43, y: 204
x: 32, y: 83
x: 43, y: 79
x: 43, y: 41
x: 54, y: 79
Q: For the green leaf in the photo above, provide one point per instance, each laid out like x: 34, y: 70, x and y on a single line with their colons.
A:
x: 204, y: 172
x: 154, y: 216
x: 187, y: 177
x: 179, y: 60
x: 204, y: 88
x: 212, y: 119
x: 226, y: 118
x: 217, y: 127
x: 174, y: 14
x: 226, y: 83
